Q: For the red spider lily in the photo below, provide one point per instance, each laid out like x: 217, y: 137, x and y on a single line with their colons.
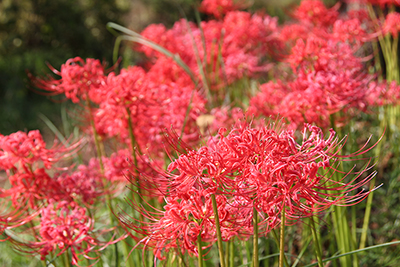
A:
x: 29, y: 148
x: 381, y: 3
x: 260, y: 167
x: 218, y: 8
x: 12, y: 217
x: 181, y: 222
x: 314, y: 11
x: 79, y: 78
x: 351, y: 31
x: 392, y: 24
x: 321, y: 54
x: 65, y: 226
x: 151, y: 101
x: 329, y: 79
x: 23, y: 156
x: 124, y: 89
x: 382, y: 93
x: 231, y: 50
x: 84, y: 184
x: 34, y: 187
x: 276, y: 171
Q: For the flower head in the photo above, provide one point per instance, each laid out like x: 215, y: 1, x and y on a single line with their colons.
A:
x: 247, y: 167
x: 79, y: 78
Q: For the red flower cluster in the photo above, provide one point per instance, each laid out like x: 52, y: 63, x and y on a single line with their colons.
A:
x: 218, y: 8
x: 392, y: 24
x: 78, y: 79
x: 23, y: 156
x: 329, y: 77
x: 228, y: 49
x: 66, y: 226
x: 22, y: 148
x: 35, y: 195
x: 262, y: 167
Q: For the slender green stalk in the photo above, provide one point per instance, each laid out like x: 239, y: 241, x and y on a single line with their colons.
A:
x: 274, y: 234
x: 218, y: 228
x: 108, y: 197
x: 282, y: 238
x: 267, y: 252
x: 134, y: 144
x: 378, y: 154
x: 96, y: 136
x: 135, y: 37
x: 240, y: 252
x: 255, y: 238
x: 303, y: 250
x: 316, y: 242
x: 231, y: 253
x: 354, y: 252
x: 354, y: 235
x: 66, y: 257
x: 248, y: 252
x: 199, y: 251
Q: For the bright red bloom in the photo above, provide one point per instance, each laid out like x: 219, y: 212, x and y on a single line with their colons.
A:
x: 380, y: 94
x: 182, y: 221
x: 276, y: 171
x: 28, y: 148
x: 85, y: 184
x: 261, y: 167
x: 233, y: 47
x: 123, y: 89
x: 79, y: 78
x: 381, y: 3
x: 392, y: 24
x: 153, y: 101
x: 350, y: 30
x: 314, y: 11
x: 329, y: 78
x: 34, y: 188
x: 13, y: 217
x: 66, y: 226
x: 218, y: 8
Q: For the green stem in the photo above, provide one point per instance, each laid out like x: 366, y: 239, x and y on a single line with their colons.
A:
x: 282, y: 238
x: 96, y: 136
x: 218, y: 228
x: 255, y: 237
x: 277, y: 242
x: 316, y: 242
x: 134, y: 144
x: 248, y: 252
x: 200, y: 251
x: 67, y: 262
x: 231, y: 253
x: 367, y: 216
